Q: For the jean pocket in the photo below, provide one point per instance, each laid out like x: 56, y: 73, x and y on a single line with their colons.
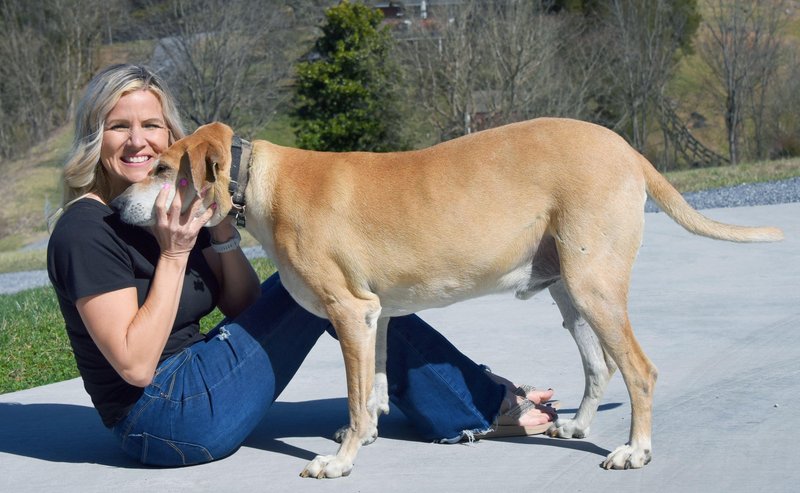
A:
x: 156, y: 451
x: 164, y: 377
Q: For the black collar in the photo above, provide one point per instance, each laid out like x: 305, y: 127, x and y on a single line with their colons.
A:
x: 241, y: 152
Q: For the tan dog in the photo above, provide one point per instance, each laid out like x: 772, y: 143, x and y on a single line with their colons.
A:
x: 361, y: 237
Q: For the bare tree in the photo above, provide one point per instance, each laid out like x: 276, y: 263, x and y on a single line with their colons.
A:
x: 46, y: 57
x: 481, y: 64
x: 782, y: 121
x: 535, y: 62
x: 645, y: 37
x: 740, y: 45
x: 226, y: 59
x: 441, y: 61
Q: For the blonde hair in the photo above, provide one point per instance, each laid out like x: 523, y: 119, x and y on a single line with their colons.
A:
x: 82, y: 172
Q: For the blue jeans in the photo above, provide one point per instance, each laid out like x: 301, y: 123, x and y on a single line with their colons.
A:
x: 205, y: 400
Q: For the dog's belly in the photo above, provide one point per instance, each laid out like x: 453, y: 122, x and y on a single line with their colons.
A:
x: 398, y: 300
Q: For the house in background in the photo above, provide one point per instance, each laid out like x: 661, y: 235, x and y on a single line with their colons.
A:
x: 403, y: 14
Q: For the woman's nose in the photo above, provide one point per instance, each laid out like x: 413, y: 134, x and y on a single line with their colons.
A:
x: 136, y: 136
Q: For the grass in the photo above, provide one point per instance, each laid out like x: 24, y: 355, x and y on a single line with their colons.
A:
x: 694, y: 180
x: 34, y: 348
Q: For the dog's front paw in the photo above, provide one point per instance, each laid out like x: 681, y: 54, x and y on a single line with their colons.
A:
x: 342, y: 432
x: 627, y: 457
x: 567, y: 428
x: 327, y: 466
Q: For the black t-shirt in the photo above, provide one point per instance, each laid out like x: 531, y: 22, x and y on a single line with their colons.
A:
x: 91, y: 251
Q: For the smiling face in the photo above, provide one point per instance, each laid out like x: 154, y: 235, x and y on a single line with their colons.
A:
x: 134, y: 135
x: 202, y: 159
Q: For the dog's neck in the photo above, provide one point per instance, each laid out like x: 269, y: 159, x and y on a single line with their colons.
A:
x: 241, y: 153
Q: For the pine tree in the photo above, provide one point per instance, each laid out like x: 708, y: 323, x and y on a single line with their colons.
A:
x: 344, y: 100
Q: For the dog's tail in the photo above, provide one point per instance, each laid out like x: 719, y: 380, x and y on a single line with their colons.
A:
x: 676, y: 207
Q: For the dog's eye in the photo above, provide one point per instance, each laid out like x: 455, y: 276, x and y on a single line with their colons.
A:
x: 161, y: 168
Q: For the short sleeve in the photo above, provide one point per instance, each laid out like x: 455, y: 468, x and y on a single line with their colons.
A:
x: 85, y: 258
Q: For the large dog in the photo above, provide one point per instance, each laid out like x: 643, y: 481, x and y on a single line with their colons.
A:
x: 361, y: 237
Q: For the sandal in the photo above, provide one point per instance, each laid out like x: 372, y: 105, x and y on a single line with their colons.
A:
x: 507, y: 423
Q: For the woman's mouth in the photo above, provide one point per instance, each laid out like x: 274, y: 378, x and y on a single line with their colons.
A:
x: 135, y: 160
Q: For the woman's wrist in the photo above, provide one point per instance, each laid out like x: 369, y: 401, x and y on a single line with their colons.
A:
x: 232, y: 243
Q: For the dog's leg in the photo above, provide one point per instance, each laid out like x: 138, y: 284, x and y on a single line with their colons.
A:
x: 597, y: 367
x: 604, y: 306
x: 379, y: 398
x: 355, y: 321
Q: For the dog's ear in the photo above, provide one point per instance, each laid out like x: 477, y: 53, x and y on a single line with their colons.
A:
x: 200, y: 165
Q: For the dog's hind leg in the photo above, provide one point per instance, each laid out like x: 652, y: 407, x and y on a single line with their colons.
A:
x: 597, y: 367
x: 602, y: 302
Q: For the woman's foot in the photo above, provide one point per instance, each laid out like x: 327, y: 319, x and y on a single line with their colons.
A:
x: 520, y: 417
x: 519, y: 411
x: 537, y: 396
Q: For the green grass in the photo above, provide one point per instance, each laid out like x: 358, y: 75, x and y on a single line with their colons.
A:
x: 694, y: 180
x: 34, y: 348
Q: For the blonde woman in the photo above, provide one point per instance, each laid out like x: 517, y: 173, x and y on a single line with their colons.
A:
x: 132, y: 300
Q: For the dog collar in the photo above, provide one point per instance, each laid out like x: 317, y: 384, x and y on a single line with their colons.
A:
x: 241, y: 152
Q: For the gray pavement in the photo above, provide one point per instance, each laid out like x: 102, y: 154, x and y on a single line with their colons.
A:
x: 720, y: 321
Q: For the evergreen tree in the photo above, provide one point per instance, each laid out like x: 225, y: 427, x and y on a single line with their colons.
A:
x: 344, y: 100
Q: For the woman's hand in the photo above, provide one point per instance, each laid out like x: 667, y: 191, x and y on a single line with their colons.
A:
x: 176, y: 231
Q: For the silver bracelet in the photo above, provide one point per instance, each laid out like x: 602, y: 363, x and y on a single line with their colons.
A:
x: 229, y: 245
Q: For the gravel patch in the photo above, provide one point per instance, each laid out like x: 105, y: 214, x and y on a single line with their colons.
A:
x: 749, y: 194
x: 14, y: 282
x: 768, y: 193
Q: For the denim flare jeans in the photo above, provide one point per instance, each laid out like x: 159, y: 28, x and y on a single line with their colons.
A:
x: 205, y: 400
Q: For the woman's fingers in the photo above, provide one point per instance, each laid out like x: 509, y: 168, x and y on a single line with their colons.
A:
x: 161, y: 203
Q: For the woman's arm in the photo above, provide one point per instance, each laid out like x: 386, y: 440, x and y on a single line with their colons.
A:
x: 240, y: 285
x: 132, y: 338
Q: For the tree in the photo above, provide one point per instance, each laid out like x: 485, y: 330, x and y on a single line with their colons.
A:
x: 647, y: 36
x: 482, y: 64
x: 45, y: 58
x: 344, y: 99
x: 223, y: 59
x: 740, y: 47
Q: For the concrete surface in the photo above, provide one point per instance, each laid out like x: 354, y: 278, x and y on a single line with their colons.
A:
x: 720, y: 321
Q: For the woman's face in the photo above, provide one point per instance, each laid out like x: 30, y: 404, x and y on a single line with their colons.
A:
x: 134, y: 135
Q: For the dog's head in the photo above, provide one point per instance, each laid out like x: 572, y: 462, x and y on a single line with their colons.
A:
x: 203, y: 159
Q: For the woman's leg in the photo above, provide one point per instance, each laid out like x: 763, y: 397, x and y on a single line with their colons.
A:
x: 208, y: 399
x: 445, y: 394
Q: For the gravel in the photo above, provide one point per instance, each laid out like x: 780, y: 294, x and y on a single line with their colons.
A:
x: 768, y: 193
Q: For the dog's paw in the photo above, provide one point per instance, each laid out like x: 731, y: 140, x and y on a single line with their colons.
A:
x: 567, y: 428
x: 342, y: 432
x: 627, y: 457
x: 327, y: 467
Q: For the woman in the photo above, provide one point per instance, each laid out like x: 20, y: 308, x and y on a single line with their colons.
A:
x: 132, y: 300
